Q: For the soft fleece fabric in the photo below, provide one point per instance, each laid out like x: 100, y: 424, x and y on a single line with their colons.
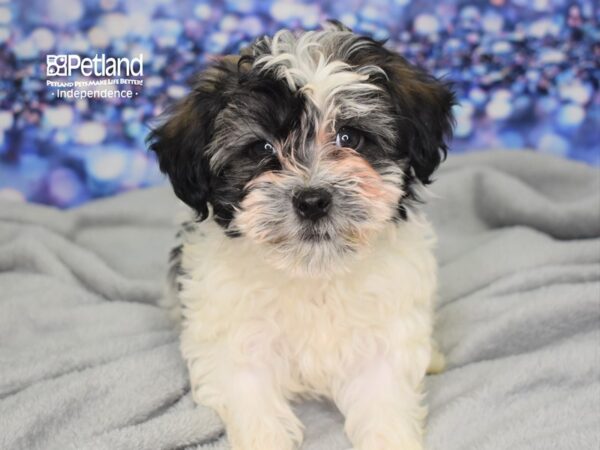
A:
x: 88, y: 361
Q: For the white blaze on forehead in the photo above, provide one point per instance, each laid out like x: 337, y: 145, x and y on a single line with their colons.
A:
x: 313, y: 63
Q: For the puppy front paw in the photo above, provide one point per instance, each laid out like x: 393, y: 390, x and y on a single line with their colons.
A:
x: 385, y: 427
x: 264, y: 434
x: 382, y: 408
x: 390, y: 440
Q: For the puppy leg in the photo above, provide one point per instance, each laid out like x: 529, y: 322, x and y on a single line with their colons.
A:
x: 257, y: 416
x: 244, y: 384
x: 382, y: 407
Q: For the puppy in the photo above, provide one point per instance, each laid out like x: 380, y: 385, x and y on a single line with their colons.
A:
x: 314, y: 274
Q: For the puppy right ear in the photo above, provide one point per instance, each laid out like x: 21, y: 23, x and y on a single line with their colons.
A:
x: 180, y: 142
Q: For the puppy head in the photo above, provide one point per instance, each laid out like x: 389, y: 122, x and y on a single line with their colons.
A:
x: 306, y: 144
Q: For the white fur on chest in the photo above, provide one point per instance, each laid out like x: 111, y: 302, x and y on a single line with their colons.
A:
x: 240, y: 311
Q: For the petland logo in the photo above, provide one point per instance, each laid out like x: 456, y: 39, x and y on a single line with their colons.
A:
x: 99, y: 66
x: 95, y: 78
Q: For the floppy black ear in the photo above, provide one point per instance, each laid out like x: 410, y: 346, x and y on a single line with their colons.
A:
x: 180, y: 142
x: 424, y: 109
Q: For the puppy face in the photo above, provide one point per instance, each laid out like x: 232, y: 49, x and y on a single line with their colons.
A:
x: 307, y: 144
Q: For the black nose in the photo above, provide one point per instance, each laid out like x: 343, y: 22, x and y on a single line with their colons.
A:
x: 312, y: 203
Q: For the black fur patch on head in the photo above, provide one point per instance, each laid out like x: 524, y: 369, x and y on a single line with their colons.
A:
x: 241, y: 108
x: 261, y: 112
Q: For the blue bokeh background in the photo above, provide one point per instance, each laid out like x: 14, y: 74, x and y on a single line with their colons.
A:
x: 526, y: 72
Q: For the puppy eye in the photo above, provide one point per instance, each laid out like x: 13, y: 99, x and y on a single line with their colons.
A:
x: 260, y: 149
x: 263, y: 147
x: 348, y: 137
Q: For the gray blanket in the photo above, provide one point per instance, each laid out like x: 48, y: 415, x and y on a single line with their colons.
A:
x: 88, y: 361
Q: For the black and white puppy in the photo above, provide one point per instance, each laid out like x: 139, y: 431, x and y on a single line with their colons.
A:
x: 314, y: 275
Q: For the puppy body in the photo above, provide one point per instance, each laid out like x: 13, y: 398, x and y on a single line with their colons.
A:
x: 313, y: 275
x: 256, y: 337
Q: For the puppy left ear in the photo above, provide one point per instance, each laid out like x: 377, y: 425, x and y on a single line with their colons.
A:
x: 180, y: 143
x: 424, y: 109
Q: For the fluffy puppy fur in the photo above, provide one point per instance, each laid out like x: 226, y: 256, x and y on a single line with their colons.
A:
x: 314, y: 276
